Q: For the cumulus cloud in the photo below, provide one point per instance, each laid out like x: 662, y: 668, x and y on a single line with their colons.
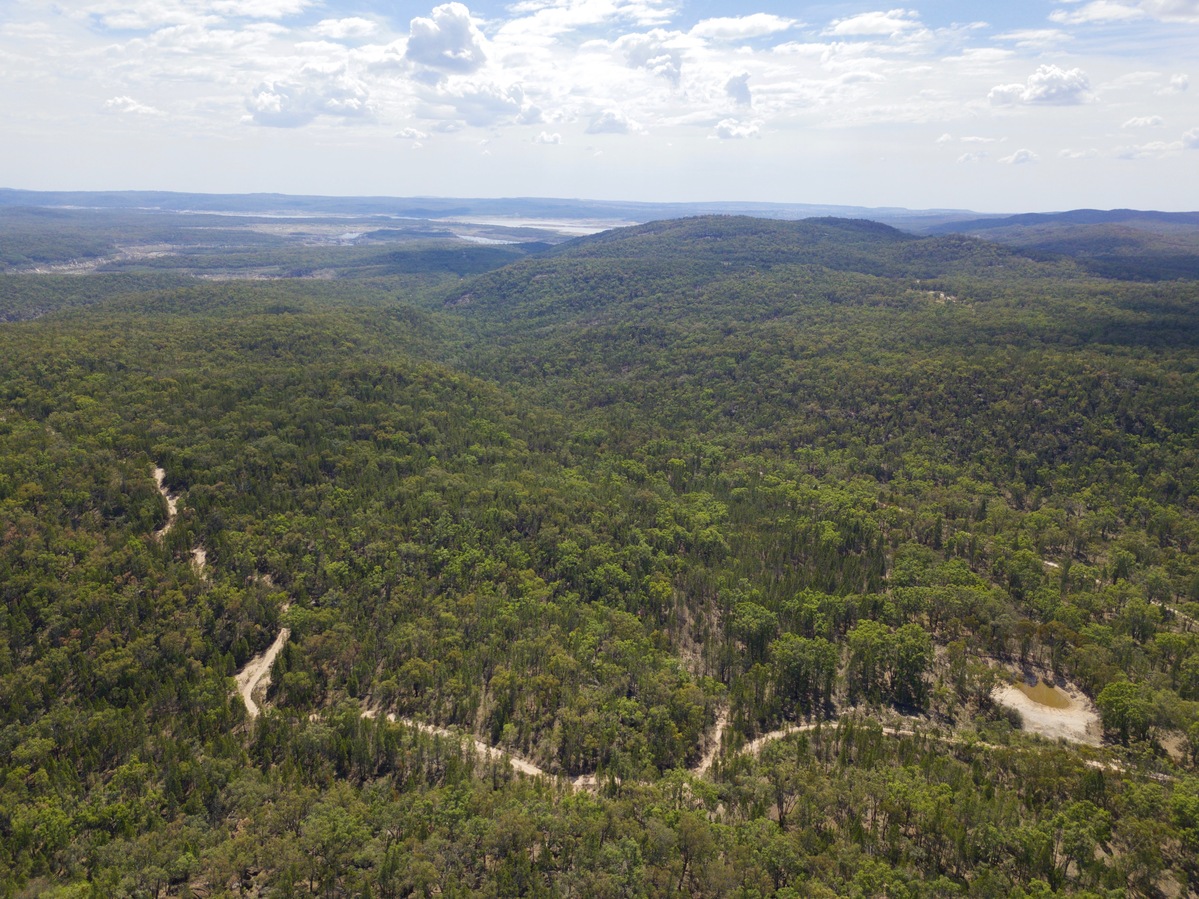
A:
x: 411, y: 134
x: 291, y: 104
x: 129, y: 105
x: 1178, y: 84
x: 742, y: 28
x: 737, y: 90
x: 612, y: 121
x: 895, y: 21
x: 966, y: 158
x: 1020, y: 157
x: 1144, y: 121
x: 651, y: 52
x: 343, y: 29
x: 448, y: 41
x: 1048, y: 85
x: 478, y: 104
x: 546, y: 138
x: 1078, y: 154
x: 1190, y: 140
x: 732, y: 129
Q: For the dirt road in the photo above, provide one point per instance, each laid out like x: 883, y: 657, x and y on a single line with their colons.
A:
x: 258, y: 672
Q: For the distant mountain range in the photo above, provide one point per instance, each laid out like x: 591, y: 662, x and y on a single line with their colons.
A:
x: 448, y: 207
x: 1122, y: 243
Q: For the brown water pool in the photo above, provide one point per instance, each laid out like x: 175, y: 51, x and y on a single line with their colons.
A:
x: 1045, y: 694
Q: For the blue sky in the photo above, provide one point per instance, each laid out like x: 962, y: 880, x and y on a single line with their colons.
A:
x: 1012, y: 106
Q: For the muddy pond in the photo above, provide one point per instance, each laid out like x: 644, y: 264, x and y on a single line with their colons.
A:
x: 1045, y: 694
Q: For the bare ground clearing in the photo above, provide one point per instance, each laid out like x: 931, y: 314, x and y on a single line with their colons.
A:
x: 1078, y: 722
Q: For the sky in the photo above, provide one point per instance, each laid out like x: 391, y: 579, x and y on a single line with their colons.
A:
x: 1011, y: 106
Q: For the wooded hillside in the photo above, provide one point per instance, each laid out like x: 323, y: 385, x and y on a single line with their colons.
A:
x: 732, y: 531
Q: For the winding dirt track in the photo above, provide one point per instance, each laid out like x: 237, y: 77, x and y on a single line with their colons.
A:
x: 172, y: 502
x: 484, y: 749
x: 705, y: 764
x: 258, y: 672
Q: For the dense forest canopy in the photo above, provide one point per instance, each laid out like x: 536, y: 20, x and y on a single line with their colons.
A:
x: 704, y: 557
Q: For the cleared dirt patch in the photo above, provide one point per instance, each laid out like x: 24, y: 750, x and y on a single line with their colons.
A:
x: 1071, y: 717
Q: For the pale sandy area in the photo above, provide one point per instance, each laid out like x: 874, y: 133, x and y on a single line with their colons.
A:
x: 705, y: 764
x: 1078, y: 724
x: 172, y: 502
x: 258, y: 672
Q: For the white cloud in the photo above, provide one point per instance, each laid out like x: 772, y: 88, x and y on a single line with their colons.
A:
x: 1079, y: 154
x: 129, y: 105
x: 1048, y: 85
x: 967, y: 158
x: 539, y: 21
x: 1145, y: 121
x: 260, y: 9
x: 1035, y: 38
x: 652, y: 52
x: 479, y: 104
x: 968, y: 139
x: 742, y: 28
x: 1178, y: 84
x: 983, y: 60
x: 1152, y: 150
x: 546, y: 138
x: 731, y: 129
x: 341, y: 29
x: 146, y: 15
x: 737, y: 90
x: 1106, y: 12
x: 1173, y: 10
x: 411, y: 134
x: 292, y: 103
x: 448, y: 41
x: 1098, y: 12
x: 1020, y: 157
x: 1190, y: 140
x: 895, y: 21
x: 612, y: 121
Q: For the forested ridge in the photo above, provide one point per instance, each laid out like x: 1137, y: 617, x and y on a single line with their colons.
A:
x: 618, y: 508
